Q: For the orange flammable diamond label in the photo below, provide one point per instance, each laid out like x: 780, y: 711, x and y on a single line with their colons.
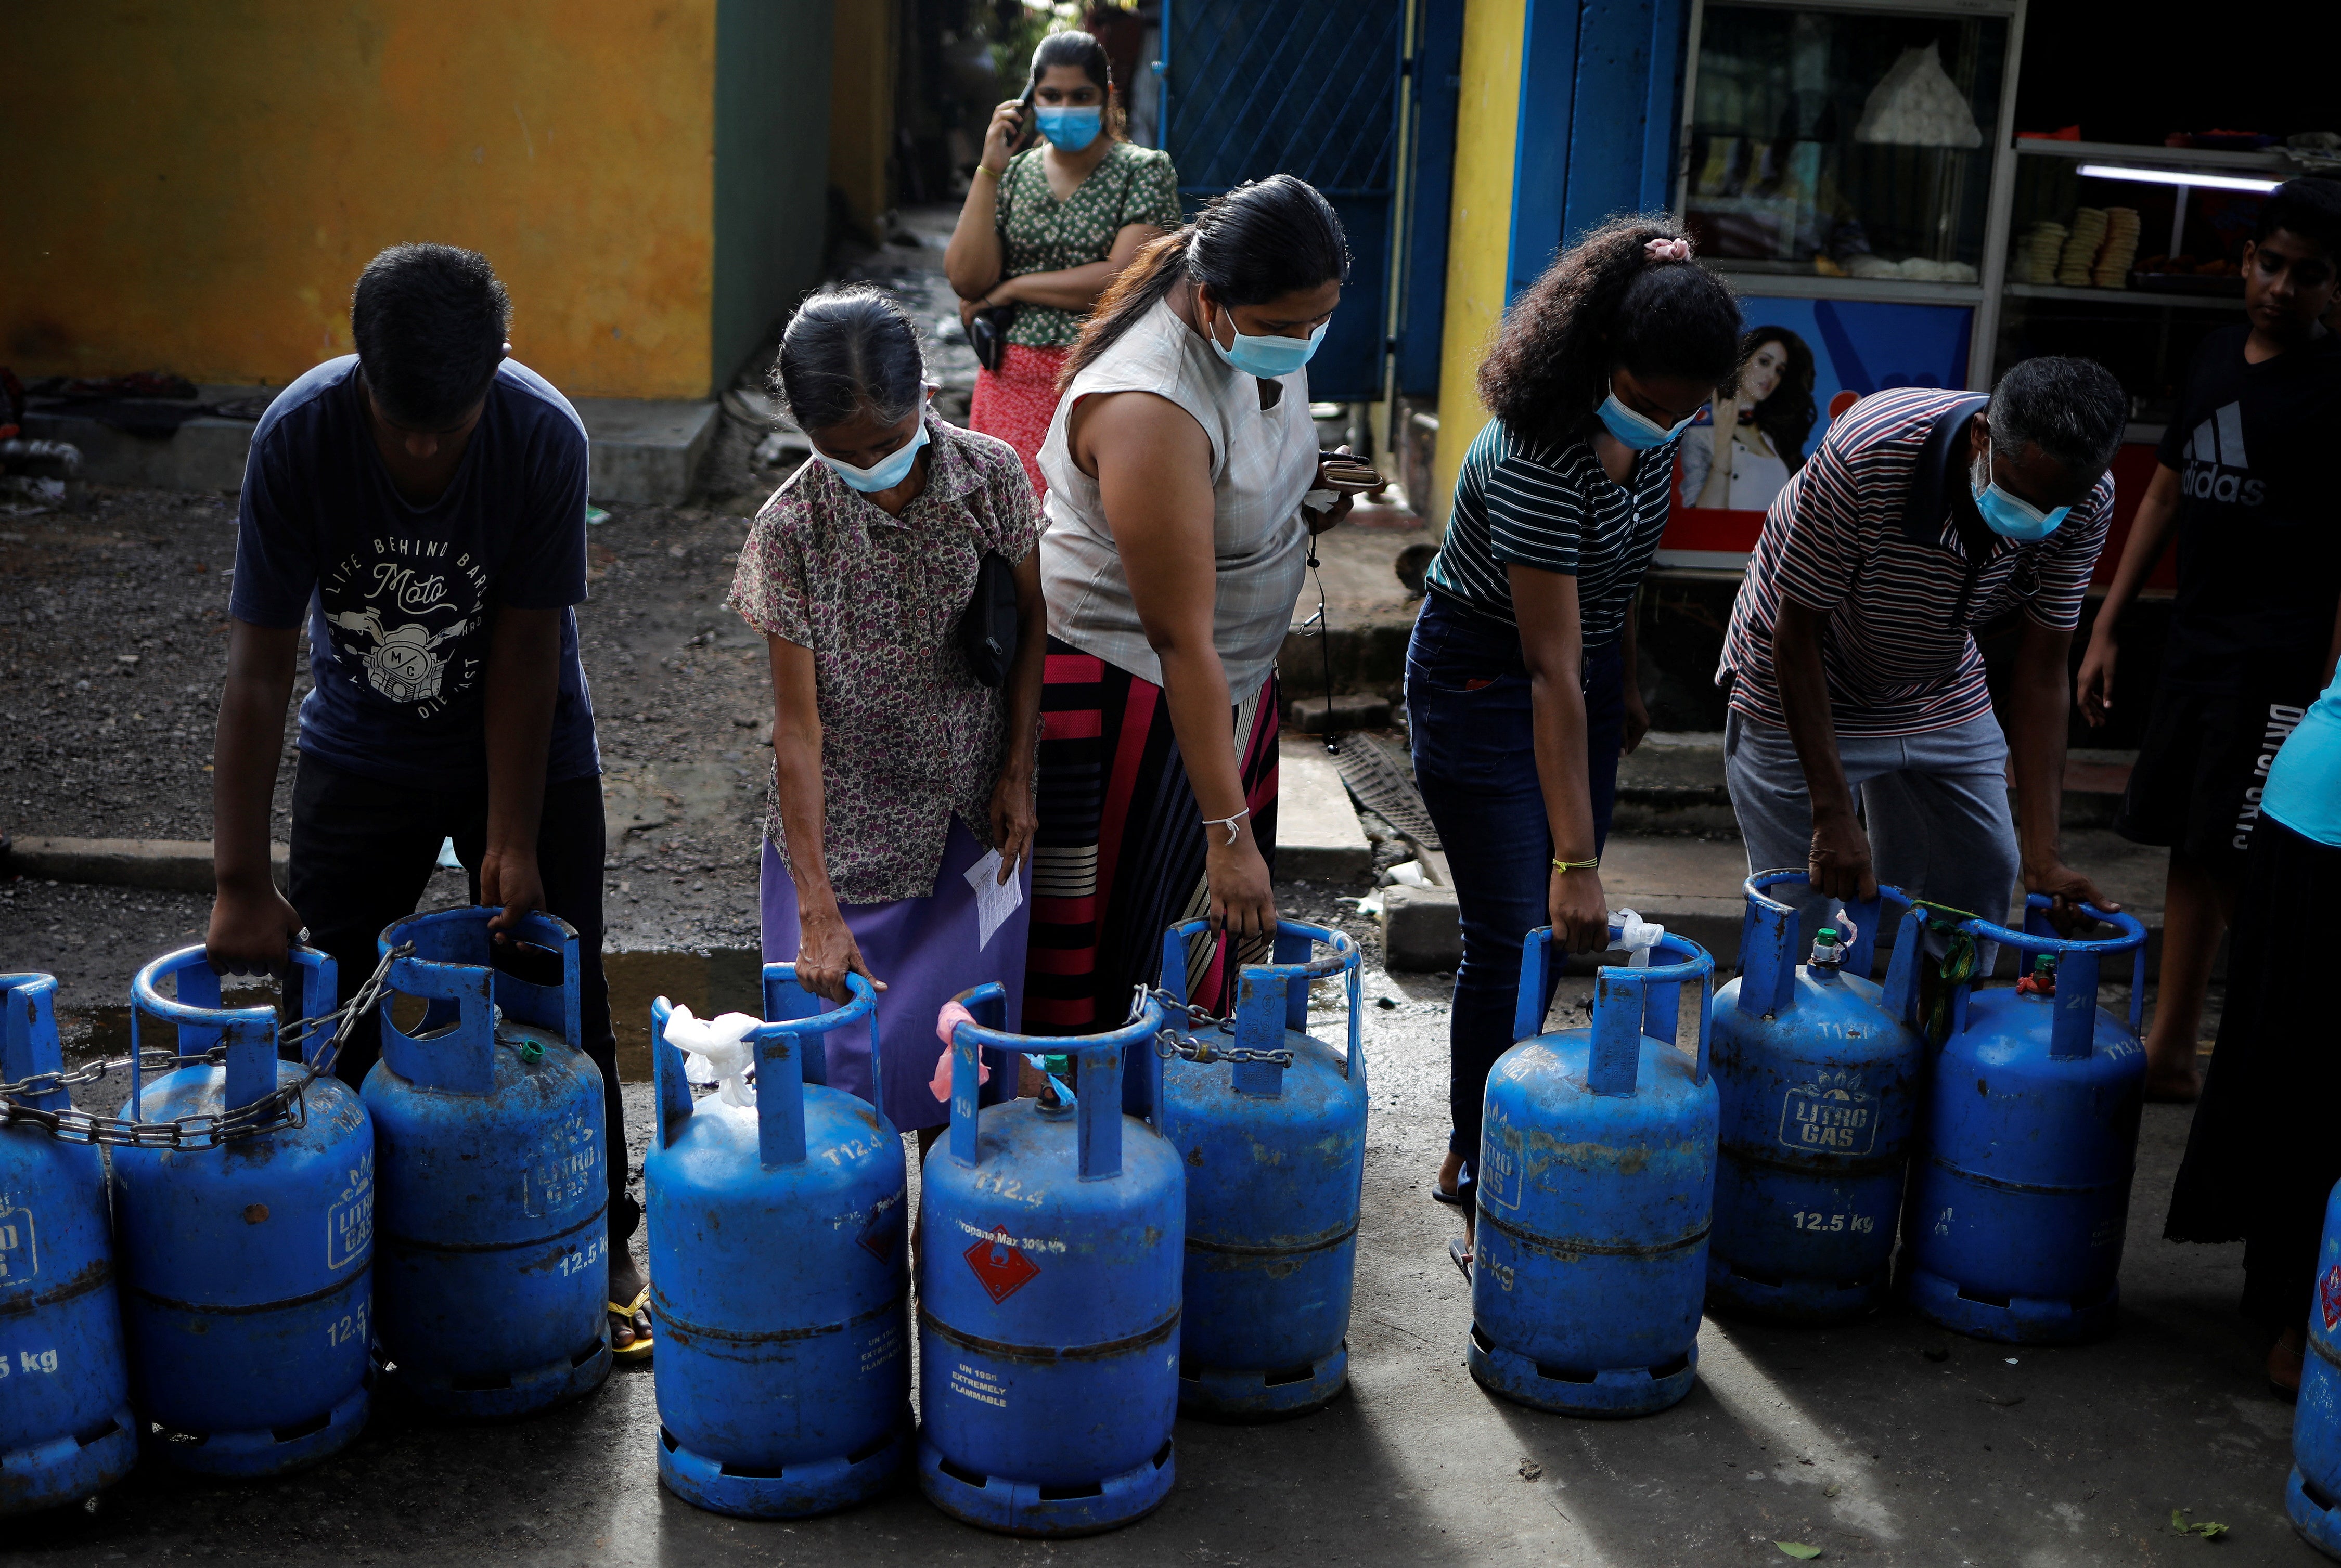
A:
x: 1000, y: 1265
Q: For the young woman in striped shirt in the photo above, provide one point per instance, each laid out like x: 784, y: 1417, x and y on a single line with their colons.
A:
x: 1520, y: 688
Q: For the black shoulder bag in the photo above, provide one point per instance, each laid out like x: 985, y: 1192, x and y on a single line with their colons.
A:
x: 987, y: 629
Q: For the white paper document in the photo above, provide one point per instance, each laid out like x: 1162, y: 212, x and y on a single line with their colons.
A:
x: 993, y: 901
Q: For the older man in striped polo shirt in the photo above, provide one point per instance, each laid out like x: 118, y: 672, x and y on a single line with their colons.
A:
x: 1851, y: 659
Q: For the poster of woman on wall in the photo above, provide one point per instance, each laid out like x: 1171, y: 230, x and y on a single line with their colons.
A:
x: 1802, y: 363
x: 1741, y: 461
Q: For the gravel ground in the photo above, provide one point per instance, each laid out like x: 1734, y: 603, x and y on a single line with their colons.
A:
x: 112, y: 641
x: 113, y: 739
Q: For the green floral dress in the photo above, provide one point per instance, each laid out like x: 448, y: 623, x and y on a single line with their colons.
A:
x: 1039, y: 234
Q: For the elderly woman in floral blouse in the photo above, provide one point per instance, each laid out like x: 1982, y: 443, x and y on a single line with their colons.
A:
x: 903, y: 785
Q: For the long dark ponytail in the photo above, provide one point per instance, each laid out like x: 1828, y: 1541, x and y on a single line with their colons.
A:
x: 1606, y: 300
x: 1262, y: 239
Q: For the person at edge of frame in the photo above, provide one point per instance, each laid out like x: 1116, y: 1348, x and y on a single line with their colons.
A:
x: 2248, y: 481
x: 421, y: 505
x: 1850, y: 659
x: 2261, y: 1160
x: 1521, y: 692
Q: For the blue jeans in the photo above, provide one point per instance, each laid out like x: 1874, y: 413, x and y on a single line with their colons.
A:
x: 1467, y: 709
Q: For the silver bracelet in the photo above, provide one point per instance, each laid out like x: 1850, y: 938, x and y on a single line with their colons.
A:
x: 1229, y: 823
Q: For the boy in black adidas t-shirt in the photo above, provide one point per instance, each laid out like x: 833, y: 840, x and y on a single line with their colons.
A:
x: 2250, y: 480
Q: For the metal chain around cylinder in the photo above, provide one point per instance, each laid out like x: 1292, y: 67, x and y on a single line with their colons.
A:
x: 283, y: 1107
x: 1169, y: 1043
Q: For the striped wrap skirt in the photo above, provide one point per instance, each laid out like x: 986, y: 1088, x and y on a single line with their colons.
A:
x: 1120, y: 848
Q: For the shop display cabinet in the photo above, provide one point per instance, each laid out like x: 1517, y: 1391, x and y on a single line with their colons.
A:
x: 2143, y: 313
x: 1853, y: 167
x: 1848, y: 150
x: 1844, y: 163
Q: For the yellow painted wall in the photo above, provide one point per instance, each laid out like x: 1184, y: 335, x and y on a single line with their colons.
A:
x: 195, y: 187
x: 861, y: 109
x: 1479, y: 235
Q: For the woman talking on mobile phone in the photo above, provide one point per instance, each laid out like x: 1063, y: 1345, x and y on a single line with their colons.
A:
x: 1521, y: 692
x: 1043, y: 233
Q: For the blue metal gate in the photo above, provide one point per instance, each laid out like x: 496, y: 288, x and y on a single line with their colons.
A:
x: 1317, y: 88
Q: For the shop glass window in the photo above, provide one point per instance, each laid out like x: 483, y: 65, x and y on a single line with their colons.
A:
x: 1844, y: 144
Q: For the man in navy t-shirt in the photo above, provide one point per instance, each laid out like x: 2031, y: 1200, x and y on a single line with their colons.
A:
x: 420, y: 505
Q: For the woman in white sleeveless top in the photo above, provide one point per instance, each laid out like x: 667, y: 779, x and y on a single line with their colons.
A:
x: 1176, y: 543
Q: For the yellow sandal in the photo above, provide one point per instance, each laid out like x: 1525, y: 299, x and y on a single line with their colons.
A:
x: 626, y: 1311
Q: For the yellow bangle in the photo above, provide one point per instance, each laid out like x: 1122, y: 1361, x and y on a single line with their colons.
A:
x: 988, y: 169
x: 1561, y: 865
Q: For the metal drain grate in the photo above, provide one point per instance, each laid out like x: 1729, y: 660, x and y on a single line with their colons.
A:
x: 1384, y: 783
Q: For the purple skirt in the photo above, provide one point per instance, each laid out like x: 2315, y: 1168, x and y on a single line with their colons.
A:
x: 927, y: 950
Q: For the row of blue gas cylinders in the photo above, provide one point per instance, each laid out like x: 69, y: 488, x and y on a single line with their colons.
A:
x: 1623, y: 1186
x: 235, y: 1302
x: 449, y: 1224
x: 1098, y: 1258
x: 1163, y: 1235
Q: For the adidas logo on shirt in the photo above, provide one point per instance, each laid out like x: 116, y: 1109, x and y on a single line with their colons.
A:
x: 2216, y: 468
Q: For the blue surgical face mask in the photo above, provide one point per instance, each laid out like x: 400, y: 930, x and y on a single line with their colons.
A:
x: 2009, y: 516
x: 1268, y: 357
x: 1634, y: 431
x: 885, y: 474
x: 1071, y: 130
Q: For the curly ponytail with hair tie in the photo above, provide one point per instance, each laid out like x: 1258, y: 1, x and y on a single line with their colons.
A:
x: 1627, y: 293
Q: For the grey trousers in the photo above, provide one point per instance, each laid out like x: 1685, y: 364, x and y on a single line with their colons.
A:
x: 1935, y: 806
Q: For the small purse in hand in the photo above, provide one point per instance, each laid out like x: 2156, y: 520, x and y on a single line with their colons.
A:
x: 987, y: 629
x: 987, y: 331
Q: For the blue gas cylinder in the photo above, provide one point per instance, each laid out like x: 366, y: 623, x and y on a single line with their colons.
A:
x: 2020, y: 1197
x: 2313, y: 1493
x: 778, y: 1272
x: 1052, y: 1240
x: 492, y: 1251
x: 1596, y: 1176
x: 246, y: 1268
x: 65, y: 1426
x: 1819, y: 1071
x: 1276, y: 1163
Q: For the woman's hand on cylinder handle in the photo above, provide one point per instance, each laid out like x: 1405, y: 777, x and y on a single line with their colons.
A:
x: 1243, y: 899
x: 827, y: 953
x: 1579, y: 912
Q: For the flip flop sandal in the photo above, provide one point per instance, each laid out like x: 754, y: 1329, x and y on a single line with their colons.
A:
x: 1440, y: 1195
x: 641, y: 1348
x: 1459, y: 1252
